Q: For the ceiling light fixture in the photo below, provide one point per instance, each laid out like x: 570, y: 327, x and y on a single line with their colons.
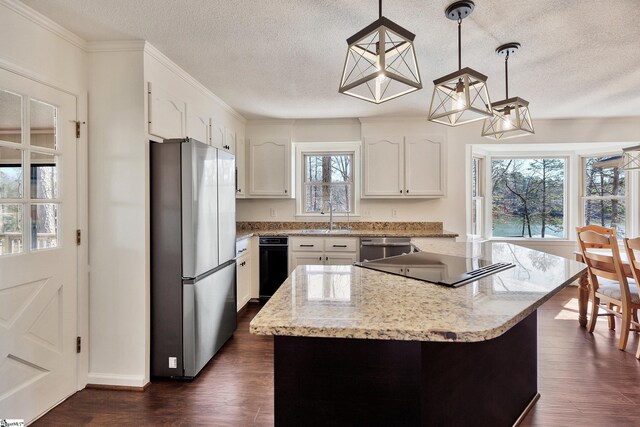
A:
x: 511, y: 117
x: 381, y: 62
x: 460, y: 97
x: 631, y: 158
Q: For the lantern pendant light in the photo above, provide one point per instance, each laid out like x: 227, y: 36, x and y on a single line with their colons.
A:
x: 460, y: 97
x: 381, y: 62
x: 511, y: 117
x: 631, y: 158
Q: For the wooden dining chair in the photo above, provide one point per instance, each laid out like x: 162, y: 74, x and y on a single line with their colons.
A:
x: 632, y: 246
x: 601, y: 230
x: 608, y: 283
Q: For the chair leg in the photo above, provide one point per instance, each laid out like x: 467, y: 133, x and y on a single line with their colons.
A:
x: 624, y: 328
x: 612, y: 321
x: 634, y: 315
x: 595, y: 303
x: 638, y: 352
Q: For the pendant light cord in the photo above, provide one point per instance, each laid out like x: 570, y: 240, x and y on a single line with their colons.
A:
x: 380, y: 9
x: 459, y: 43
x: 506, y: 75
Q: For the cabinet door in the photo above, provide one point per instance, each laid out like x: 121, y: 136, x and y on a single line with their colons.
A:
x: 243, y: 268
x: 166, y: 113
x: 198, y: 126
x: 270, y: 168
x: 217, y: 135
x: 339, y: 258
x: 241, y: 170
x: 383, y: 167
x: 230, y: 141
x: 305, y: 258
x: 424, y: 167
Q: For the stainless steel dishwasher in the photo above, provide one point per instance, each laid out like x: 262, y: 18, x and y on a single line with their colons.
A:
x: 382, y: 247
x: 274, y: 264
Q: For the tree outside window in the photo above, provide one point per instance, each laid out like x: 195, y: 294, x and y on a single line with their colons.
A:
x: 604, y: 200
x: 528, y: 197
x: 328, y: 177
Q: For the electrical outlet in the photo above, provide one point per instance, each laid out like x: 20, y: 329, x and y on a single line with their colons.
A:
x: 273, y: 212
x: 173, y: 362
x: 394, y: 213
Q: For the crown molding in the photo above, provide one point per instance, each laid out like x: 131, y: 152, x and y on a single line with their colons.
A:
x: 116, y: 46
x: 176, y: 69
x: 44, y: 22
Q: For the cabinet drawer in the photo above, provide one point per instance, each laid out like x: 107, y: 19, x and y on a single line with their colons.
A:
x: 340, y: 244
x: 305, y: 244
x: 242, y: 247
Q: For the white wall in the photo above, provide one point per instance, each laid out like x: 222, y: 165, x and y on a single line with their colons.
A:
x: 118, y: 187
x: 450, y: 209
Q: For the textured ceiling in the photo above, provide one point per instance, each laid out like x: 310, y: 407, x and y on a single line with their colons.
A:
x: 283, y: 59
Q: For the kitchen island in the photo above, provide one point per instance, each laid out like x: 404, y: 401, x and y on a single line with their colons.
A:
x: 361, y: 347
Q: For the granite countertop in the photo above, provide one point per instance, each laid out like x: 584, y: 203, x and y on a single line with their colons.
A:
x: 352, y: 302
x: 243, y: 234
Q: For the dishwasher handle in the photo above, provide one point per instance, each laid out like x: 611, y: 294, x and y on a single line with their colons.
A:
x: 384, y: 244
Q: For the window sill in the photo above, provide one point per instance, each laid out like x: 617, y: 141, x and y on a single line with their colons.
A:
x: 539, y: 240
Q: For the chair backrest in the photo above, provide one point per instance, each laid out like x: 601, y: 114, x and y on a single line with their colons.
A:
x: 631, y: 245
x: 608, y: 266
x: 598, y: 229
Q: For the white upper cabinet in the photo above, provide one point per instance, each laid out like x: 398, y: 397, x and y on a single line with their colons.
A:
x: 230, y: 141
x: 424, y: 167
x: 198, y: 126
x: 241, y: 168
x: 217, y: 135
x: 383, y: 167
x: 167, y: 113
x: 403, y: 167
x: 270, y: 167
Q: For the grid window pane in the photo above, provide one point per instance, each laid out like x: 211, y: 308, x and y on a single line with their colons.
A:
x: 11, y: 117
x: 328, y: 177
x: 44, y: 176
x: 528, y: 197
x: 10, y: 228
x: 44, y: 225
x: 607, y: 213
x: 603, y: 177
x: 10, y: 173
x: 43, y: 124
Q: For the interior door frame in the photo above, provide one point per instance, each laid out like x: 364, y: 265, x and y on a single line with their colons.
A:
x: 82, y: 209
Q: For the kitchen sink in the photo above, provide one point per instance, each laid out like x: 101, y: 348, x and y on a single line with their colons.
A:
x: 324, y: 231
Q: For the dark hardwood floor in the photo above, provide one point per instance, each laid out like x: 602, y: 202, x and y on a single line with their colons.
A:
x: 584, y: 380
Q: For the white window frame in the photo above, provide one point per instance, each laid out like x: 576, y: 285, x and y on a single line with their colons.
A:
x: 324, y: 148
x: 566, y: 220
x: 479, y: 197
x: 628, y: 201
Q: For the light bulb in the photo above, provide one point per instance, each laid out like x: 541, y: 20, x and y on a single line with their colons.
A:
x: 459, y: 100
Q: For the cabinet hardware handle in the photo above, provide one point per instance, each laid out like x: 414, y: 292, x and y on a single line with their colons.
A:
x: 225, y: 147
x: 326, y: 259
x: 285, y: 191
x: 407, y: 191
x: 319, y: 258
x: 242, y: 250
x: 401, y: 191
x: 339, y: 246
x: 307, y: 246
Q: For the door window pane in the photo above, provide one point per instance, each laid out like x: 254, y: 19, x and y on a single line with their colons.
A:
x: 43, y: 125
x: 10, y: 117
x: 10, y: 228
x: 10, y: 173
x: 44, y: 176
x: 44, y: 225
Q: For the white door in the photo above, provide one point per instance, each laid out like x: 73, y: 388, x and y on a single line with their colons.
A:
x: 38, y: 264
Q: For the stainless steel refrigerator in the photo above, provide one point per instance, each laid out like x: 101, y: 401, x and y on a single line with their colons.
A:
x: 193, y: 276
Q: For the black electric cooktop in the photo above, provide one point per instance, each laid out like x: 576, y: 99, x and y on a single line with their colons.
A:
x: 446, y: 270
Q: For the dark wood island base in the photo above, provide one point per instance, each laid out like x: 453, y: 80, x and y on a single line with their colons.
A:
x: 359, y: 382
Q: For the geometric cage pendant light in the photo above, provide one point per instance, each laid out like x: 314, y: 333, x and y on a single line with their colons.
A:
x: 511, y: 117
x: 462, y: 96
x: 381, y: 62
x: 631, y: 158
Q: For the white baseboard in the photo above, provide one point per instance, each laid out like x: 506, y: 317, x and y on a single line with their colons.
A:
x: 116, y: 380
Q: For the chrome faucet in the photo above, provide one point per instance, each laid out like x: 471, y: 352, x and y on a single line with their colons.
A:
x: 330, y: 215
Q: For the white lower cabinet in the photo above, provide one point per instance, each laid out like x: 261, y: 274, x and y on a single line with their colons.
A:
x: 243, y: 272
x: 322, y: 251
